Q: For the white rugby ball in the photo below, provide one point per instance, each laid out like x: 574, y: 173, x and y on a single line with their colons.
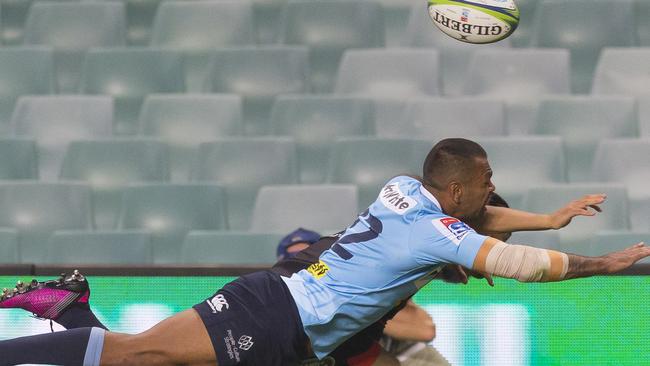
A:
x: 475, y: 21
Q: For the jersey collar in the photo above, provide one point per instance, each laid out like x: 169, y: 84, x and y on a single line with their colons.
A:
x: 431, y: 198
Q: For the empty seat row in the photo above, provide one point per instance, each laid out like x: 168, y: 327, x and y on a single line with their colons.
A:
x: 137, y: 247
x: 328, y: 28
x: 259, y: 75
x: 242, y: 165
x: 166, y: 211
x: 314, y: 122
x: 195, y: 117
x: 197, y: 27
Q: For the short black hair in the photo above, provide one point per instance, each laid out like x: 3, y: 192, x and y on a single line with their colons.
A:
x: 498, y: 201
x: 449, y: 159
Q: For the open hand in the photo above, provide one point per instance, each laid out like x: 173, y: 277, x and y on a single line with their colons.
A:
x: 585, y: 206
x: 618, y: 261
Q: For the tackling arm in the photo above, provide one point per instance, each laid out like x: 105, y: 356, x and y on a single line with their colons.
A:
x: 501, y: 219
x: 529, y: 264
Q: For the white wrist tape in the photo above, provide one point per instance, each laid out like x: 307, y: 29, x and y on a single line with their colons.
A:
x: 526, y: 264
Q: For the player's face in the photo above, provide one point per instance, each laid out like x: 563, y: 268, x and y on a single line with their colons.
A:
x: 478, y: 190
x: 295, y: 248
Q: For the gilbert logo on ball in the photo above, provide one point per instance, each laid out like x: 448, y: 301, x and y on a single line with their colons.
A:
x: 475, y: 21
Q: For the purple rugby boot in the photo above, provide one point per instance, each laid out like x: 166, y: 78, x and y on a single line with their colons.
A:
x: 49, y: 299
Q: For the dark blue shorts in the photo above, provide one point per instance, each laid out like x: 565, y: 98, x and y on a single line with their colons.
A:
x: 253, y: 320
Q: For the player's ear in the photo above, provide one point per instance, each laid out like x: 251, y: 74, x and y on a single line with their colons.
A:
x: 455, y: 190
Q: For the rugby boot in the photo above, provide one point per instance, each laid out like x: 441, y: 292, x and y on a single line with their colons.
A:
x: 48, y: 299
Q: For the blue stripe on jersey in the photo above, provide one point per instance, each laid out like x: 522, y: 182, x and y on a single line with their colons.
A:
x: 391, y: 250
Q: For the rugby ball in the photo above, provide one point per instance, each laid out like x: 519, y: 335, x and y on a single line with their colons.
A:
x: 475, y: 21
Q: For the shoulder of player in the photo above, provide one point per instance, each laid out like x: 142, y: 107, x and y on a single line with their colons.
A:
x: 439, y: 221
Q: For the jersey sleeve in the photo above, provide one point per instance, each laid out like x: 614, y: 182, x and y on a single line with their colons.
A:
x: 444, y: 239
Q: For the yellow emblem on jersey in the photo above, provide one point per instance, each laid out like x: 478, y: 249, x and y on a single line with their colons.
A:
x: 318, y: 270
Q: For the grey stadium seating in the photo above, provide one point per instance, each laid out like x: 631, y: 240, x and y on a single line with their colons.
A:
x: 100, y: 248
x: 184, y: 121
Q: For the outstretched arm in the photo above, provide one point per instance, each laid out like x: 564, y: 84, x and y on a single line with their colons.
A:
x: 529, y: 264
x: 501, y: 219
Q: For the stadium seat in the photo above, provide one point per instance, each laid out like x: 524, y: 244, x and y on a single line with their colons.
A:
x: 129, y: 75
x: 611, y: 241
x: 329, y: 28
x: 259, y: 75
x: 186, y: 120
x: 109, y: 165
x: 578, y: 25
x: 576, y: 237
x: 241, y: 166
x: 539, y: 239
x: 454, y: 55
x: 28, y: 70
x: 100, y: 247
x: 229, y: 248
x: 371, y: 162
x: 19, y: 159
x: 199, y: 26
x: 8, y: 246
x: 622, y: 71
x: 169, y: 211
x: 314, y: 121
x: 38, y: 209
x: 582, y: 122
x: 436, y: 118
x: 515, y: 83
x: 54, y: 121
x: 324, y: 208
x: 524, y: 161
x: 71, y: 28
x: 627, y: 161
x: 389, y: 73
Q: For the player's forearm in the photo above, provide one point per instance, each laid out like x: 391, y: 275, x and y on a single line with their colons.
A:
x: 586, y: 266
x: 530, y: 264
x: 501, y: 219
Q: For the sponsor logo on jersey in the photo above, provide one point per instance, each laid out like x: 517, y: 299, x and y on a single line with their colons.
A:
x: 245, y: 342
x: 318, y: 270
x: 217, y: 303
x: 453, y: 229
x: 393, y: 198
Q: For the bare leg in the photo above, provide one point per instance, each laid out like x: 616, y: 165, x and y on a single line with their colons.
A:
x: 179, y: 340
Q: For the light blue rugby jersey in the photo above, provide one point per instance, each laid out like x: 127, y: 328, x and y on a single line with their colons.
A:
x: 394, y: 248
